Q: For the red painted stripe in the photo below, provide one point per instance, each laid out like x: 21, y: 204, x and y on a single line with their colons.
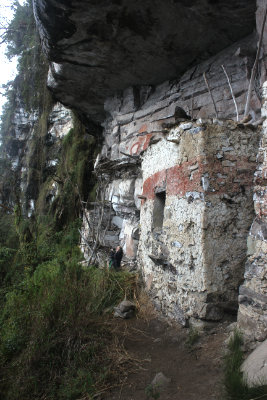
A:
x: 184, y: 178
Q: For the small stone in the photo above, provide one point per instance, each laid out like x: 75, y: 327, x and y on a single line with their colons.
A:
x: 118, y: 221
x: 160, y: 380
x: 186, y: 126
x: 196, y: 130
x: 126, y: 305
x: 124, y: 315
x: 230, y: 148
x: 177, y: 244
x: 227, y: 163
x: 205, y: 183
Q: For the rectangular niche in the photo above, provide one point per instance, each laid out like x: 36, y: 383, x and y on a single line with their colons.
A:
x: 158, y: 210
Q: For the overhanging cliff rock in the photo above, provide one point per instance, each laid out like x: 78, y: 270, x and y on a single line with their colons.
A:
x: 99, y: 48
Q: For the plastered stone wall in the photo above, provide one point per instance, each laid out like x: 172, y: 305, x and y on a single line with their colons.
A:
x: 162, y: 138
x: 194, y: 264
x: 252, y: 314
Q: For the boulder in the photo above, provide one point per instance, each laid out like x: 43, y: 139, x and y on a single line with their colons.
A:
x: 160, y: 380
x: 126, y: 305
x: 254, y: 367
x: 125, y: 310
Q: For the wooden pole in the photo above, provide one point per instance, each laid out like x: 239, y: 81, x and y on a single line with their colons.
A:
x: 253, y: 72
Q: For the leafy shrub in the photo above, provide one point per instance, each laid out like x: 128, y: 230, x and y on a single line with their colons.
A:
x: 53, y: 343
x: 193, y: 337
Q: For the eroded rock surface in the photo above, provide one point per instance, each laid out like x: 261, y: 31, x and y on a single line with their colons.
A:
x: 252, y: 316
x: 99, y: 48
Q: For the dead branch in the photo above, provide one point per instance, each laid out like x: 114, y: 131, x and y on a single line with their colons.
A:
x: 85, y: 240
x: 109, y: 215
x: 208, y: 87
x: 253, y: 72
x: 232, y: 92
x: 96, y: 239
x: 6, y: 208
x: 83, y: 207
x: 129, y: 155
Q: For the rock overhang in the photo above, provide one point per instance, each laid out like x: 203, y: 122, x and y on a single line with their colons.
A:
x: 99, y: 47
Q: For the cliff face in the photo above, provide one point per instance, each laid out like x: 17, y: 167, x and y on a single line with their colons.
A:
x: 99, y: 48
x: 176, y: 183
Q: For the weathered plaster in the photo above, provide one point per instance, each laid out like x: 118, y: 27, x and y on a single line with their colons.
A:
x: 195, y: 263
x: 252, y: 314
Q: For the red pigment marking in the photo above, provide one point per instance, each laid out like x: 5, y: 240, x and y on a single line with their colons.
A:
x: 178, y: 180
x: 135, y: 148
x: 158, y: 179
x: 147, y: 140
x: 143, y: 128
x: 141, y: 144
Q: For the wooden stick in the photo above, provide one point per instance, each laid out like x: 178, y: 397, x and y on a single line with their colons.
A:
x: 253, y: 72
x: 208, y: 87
x: 129, y: 155
x: 232, y: 93
x: 6, y: 208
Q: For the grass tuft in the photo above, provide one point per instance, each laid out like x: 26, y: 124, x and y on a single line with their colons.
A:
x: 236, y: 387
x: 55, y: 342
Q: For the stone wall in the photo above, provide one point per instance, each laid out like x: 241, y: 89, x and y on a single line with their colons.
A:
x: 194, y: 262
x: 252, y: 315
x: 161, y: 138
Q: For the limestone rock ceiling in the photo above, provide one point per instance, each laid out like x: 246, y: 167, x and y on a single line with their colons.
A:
x: 98, y: 47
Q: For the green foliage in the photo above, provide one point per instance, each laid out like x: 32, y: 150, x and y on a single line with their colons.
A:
x: 152, y: 392
x: 193, y: 337
x: 234, y: 381
x: 74, y: 171
x: 8, y: 235
x: 22, y: 40
x: 6, y: 256
x: 27, y: 91
x: 53, y: 343
x: 51, y: 337
x: 18, y: 34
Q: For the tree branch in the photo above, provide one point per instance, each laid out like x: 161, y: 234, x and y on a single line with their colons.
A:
x: 253, y: 72
x: 232, y: 93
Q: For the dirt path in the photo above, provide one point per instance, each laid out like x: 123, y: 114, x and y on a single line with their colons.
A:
x: 195, y: 371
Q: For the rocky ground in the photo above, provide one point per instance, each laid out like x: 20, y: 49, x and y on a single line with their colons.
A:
x: 191, y: 364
